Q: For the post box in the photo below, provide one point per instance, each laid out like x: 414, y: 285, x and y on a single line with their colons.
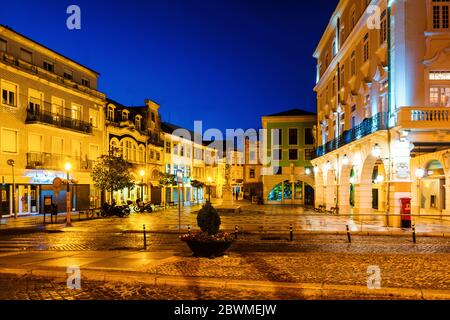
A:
x: 406, y: 212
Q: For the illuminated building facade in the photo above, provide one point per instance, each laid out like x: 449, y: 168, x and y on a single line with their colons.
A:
x: 288, y: 177
x: 50, y: 115
x: 383, y: 102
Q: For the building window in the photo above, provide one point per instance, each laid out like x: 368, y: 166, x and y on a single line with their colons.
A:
x: 158, y: 156
x: 182, y: 151
x: 26, y: 55
x: 153, y: 117
x: 293, y: 154
x: 277, y: 137
x: 50, y: 67
x: 35, y: 101
x: 93, y: 118
x: 366, y: 47
x: 440, y: 96
x: 441, y: 14
x: 353, y: 17
x: 68, y: 74
x: 175, y: 149
x: 293, y: 136
x: 9, y: 94
x: 353, y: 63
x: 85, y: 82
x: 439, y: 75
x: 3, y: 45
x: 342, y: 76
x: 124, y: 115
x: 277, y: 155
x: 138, y: 122
x: 309, y: 154
x: 383, y: 27
x: 9, y: 140
x: 110, y: 113
x: 309, y: 136
x: 252, y: 174
x: 168, y: 147
x: 353, y: 122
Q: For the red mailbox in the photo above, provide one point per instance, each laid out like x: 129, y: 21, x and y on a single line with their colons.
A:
x: 406, y: 212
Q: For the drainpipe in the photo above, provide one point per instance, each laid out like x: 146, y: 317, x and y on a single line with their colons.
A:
x: 388, y: 113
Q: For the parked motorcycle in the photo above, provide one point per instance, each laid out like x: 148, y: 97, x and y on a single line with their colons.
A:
x: 142, y: 207
x: 110, y: 210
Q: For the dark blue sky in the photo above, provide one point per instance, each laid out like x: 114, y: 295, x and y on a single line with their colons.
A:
x: 226, y: 62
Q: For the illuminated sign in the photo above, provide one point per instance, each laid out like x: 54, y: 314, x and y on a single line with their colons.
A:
x: 44, y: 177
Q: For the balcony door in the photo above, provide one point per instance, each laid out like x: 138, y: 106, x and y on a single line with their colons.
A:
x: 57, y: 108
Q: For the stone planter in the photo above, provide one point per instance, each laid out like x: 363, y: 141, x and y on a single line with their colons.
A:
x: 208, y: 249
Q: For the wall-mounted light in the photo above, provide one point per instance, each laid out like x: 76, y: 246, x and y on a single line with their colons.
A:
x: 308, y: 171
x: 376, y: 150
x: 420, y: 173
x: 345, y: 160
x: 352, y: 180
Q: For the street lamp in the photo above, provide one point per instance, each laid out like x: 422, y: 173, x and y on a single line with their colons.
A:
x: 180, y: 181
x: 209, y: 189
x: 12, y: 163
x: 68, y: 167
x: 376, y: 150
x: 345, y: 160
x: 142, y: 174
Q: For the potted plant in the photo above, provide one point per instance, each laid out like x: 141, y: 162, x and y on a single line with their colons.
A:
x: 210, y: 242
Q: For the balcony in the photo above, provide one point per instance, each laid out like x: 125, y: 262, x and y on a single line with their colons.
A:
x: 49, y: 161
x: 39, y: 116
x: 424, y: 118
x: 367, y: 127
x: 13, y: 61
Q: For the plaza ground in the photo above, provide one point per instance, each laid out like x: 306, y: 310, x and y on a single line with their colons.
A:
x: 262, y: 264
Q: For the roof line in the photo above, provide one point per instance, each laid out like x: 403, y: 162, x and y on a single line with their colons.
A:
x: 47, y: 48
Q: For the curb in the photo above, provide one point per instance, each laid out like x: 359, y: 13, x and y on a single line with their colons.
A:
x: 307, y: 290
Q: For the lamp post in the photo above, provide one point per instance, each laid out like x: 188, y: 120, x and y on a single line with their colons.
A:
x: 68, y: 167
x: 12, y: 163
x: 179, y: 181
x: 209, y: 189
x: 142, y: 174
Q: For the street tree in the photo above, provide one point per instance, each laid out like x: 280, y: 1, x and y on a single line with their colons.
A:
x: 112, y: 173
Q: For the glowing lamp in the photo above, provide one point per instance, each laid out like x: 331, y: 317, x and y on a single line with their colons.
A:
x: 376, y: 151
x: 420, y: 173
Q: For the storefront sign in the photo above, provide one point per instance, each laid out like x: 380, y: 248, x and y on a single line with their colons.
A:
x: 44, y: 177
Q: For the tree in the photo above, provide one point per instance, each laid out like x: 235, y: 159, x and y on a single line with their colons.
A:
x: 112, y: 173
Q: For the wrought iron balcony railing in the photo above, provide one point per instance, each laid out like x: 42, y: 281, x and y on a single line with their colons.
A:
x: 39, y: 116
x: 49, y: 161
x: 367, y: 127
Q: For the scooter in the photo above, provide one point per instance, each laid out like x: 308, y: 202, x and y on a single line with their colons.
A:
x: 142, y: 207
x: 114, y: 210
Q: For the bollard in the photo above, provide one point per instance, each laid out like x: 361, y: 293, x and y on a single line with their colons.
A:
x: 189, y: 229
x: 414, y: 234
x: 349, y: 236
x: 145, y: 239
x: 236, y: 231
x: 291, y: 233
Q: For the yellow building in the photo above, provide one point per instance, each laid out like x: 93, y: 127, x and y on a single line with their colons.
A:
x: 383, y: 98
x: 51, y: 114
x: 136, y: 133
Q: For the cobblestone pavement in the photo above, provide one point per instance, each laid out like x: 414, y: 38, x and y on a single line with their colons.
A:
x: 38, y: 288
x: 252, y: 218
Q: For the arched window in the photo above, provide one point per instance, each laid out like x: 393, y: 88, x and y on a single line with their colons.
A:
x: 125, y: 115
x: 138, y: 122
x: 277, y: 193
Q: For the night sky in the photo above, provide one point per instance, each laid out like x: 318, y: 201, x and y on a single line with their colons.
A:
x: 226, y: 62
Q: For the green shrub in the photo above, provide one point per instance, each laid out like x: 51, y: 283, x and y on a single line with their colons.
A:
x: 208, y: 219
